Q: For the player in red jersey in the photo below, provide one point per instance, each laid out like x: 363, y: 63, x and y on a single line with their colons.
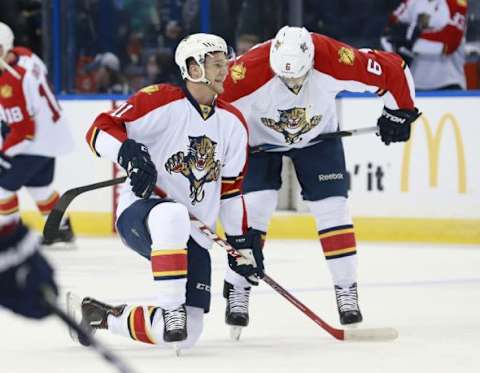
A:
x: 431, y: 35
x: 33, y: 134
x: 286, y: 90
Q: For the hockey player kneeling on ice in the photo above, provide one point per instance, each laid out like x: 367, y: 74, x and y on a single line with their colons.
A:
x: 33, y: 133
x: 25, y: 275
x: 286, y: 90
x: 193, y: 147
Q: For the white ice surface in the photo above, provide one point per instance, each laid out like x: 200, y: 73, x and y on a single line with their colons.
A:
x: 431, y: 294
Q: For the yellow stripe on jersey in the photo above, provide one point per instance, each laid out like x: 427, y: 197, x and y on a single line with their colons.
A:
x: 170, y: 273
x: 91, y: 142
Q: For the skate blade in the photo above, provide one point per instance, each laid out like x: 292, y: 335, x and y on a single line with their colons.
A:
x: 235, y: 332
x: 74, y: 310
x: 177, y: 349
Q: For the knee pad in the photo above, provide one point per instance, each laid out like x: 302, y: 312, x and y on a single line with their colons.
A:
x: 260, y: 207
x: 330, y: 212
x: 169, y: 224
x: 42, y: 193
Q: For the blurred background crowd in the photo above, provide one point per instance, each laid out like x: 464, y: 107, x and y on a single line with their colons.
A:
x: 119, y: 46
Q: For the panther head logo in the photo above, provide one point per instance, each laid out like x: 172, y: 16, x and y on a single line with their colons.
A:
x: 198, y: 165
x: 292, y: 123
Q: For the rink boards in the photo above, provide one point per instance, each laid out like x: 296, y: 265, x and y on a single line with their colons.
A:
x: 427, y: 189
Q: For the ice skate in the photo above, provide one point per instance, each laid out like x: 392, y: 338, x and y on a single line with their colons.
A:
x: 347, y: 303
x: 175, y: 325
x: 92, y: 314
x: 64, y: 240
x: 236, y: 312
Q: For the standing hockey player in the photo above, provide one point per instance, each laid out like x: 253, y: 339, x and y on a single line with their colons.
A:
x: 431, y: 35
x: 33, y: 133
x: 286, y: 90
x: 192, y: 146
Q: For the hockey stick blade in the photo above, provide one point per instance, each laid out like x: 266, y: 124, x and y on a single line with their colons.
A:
x: 50, y: 230
x: 320, y: 137
x: 375, y: 334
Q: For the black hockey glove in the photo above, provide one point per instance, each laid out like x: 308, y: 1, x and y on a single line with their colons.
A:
x: 134, y: 158
x: 4, y: 129
x: 25, y: 275
x: 396, y: 35
x: 395, y: 125
x: 5, y: 163
x: 250, y: 265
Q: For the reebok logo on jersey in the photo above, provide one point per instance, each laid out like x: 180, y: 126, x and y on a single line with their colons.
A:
x: 330, y: 177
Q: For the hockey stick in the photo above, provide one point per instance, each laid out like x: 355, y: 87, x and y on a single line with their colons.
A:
x: 375, y: 334
x: 93, y: 342
x: 317, y: 139
x: 372, y: 334
x: 50, y: 230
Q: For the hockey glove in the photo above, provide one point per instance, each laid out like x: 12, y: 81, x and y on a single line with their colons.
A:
x: 5, y: 163
x: 134, y: 158
x: 25, y: 275
x: 396, y: 35
x: 4, y: 129
x: 395, y: 125
x: 250, y: 264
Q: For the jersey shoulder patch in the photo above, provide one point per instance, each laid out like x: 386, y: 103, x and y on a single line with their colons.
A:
x: 248, y: 72
x: 155, y: 96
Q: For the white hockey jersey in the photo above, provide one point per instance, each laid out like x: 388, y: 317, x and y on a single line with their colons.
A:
x: 439, y: 51
x: 36, y: 125
x: 200, y: 152
x: 276, y: 115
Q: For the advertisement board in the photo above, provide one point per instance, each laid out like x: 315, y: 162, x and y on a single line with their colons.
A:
x: 427, y: 189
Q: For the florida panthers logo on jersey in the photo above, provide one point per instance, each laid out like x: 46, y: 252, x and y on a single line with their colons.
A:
x: 292, y: 124
x: 198, y: 166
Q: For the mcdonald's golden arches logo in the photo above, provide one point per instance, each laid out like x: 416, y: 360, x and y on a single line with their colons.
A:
x: 434, y: 138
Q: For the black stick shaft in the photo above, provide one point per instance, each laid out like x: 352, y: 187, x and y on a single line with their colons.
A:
x: 320, y: 137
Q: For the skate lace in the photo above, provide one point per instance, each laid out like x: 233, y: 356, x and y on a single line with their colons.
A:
x: 174, y: 319
x: 238, y: 300
x: 347, y: 298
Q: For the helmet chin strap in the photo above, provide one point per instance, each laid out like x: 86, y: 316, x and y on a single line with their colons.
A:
x: 202, y: 78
